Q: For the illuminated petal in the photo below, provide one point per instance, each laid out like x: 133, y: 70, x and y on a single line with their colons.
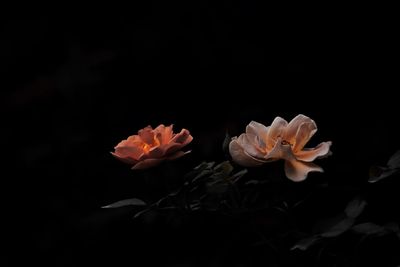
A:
x: 275, y: 131
x: 310, y: 154
x: 293, y: 126
x: 147, y: 135
x: 123, y: 151
x: 250, y: 144
x: 303, y: 135
x: 171, y: 148
x: 280, y: 151
x: 241, y: 157
x: 257, y: 129
x: 182, y: 138
x: 156, y: 152
x: 134, y: 140
x: 164, y: 133
x: 297, y: 171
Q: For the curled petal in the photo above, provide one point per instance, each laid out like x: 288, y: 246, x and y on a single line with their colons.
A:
x: 134, y: 140
x: 147, y: 163
x: 172, y: 148
x: 280, y: 151
x: 241, y: 157
x: 147, y: 135
x: 297, y: 171
x: 251, y: 145
x: 311, y: 154
x: 257, y: 129
x: 164, y: 133
x: 182, y: 138
x: 303, y: 135
x: 275, y: 131
x: 124, y: 151
x: 293, y: 126
x: 156, y: 152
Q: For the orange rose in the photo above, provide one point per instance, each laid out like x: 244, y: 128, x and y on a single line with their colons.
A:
x: 152, y: 146
x: 281, y: 140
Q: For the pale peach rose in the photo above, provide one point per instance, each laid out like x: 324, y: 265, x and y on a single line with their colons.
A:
x: 281, y: 140
x: 152, y: 146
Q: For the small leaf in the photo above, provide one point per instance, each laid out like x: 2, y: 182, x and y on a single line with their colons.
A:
x: 217, y: 188
x: 225, y: 167
x: 203, y: 174
x: 126, y: 202
x: 252, y: 182
x: 339, y: 228
x: 369, y: 229
x: 141, y: 212
x: 392, y: 226
x: 394, y: 161
x: 225, y: 144
x: 236, y: 177
x: 204, y: 165
x: 198, y: 169
x: 305, y: 243
x: 377, y: 173
x: 355, y: 207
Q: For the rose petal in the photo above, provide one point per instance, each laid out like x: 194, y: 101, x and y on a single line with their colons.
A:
x: 303, y: 135
x: 128, y: 151
x: 171, y: 148
x: 241, y: 157
x: 310, y: 154
x: 275, y: 131
x: 147, y: 163
x: 251, y: 145
x: 280, y: 151
x: 257, y: 129
x: 165, y: 133
x: 293, y: 126
x: 183, y: 138
x: 297, y: 171
x: 156, y: 152
x: 147, y: 135
x: 134, y: 139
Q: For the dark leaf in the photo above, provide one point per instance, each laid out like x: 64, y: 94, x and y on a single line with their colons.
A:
x: 204, y: 165
x: 378, y: 173
x: 225, y: 167
x: 339, y: 228
x: 203, y: 174
x: 217, y: 188
x: 394, y: 161
x: 369, y: 229
x: 198, y: 169
x: 252, y: 182
x: 126, y: 202
x: 392, y: 226
x: 305, y: 243
x: 168, y: 208
x: 225, y: 144
x: 355, y: 207
x: 141, y: 213
x: 236, y: 177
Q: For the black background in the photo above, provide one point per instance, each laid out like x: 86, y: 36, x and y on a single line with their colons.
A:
x: 74, y: 85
